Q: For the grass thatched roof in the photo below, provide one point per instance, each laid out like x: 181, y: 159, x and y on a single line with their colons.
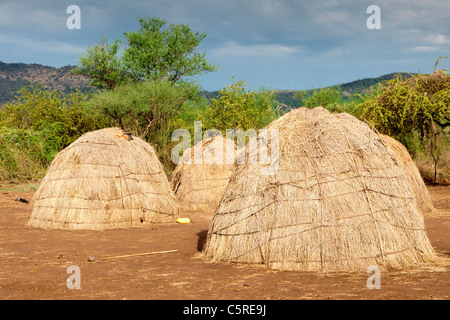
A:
x: 200, y: 186
x: 339, y: 201
x: 421, y: 193
x: 105, y: 179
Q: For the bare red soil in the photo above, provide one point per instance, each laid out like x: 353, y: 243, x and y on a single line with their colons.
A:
x: 34, y: 262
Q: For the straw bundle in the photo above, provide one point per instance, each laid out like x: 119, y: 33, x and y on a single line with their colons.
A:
x: 200, y: 186
x: 338, y: 202
x: 105, y: 179
x: 421, y: 193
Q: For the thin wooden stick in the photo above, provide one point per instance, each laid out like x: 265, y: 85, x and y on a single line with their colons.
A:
x: 137, y: 254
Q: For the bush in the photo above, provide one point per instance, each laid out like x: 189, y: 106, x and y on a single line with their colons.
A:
x: 334, y: 100
x: 414, y: 104
x: 415, y: 111
x: 25, y: 154
x: 49, y: 112
x: 150, y: 110
x: 329, y: 98
x: 238, y: 107
x: 36, y: 126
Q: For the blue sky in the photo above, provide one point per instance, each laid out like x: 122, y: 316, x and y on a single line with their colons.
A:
x: 276, y: 44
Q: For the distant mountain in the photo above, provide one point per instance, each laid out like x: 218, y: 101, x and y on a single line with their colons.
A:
x: 13, y: 76
x: 287, y: 97
x: 360, y: 86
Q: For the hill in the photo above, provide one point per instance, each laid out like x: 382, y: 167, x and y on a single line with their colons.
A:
x: 13, y: 76
x: 287, y: 97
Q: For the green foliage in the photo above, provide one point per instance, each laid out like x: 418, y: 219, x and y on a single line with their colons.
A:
x: 8, y: 87
x: 437, y: 144
x: 150, y: 110
x: 335, y: 100
x: 63, y: 117
x: 25, y: 154
x: 36, y: 126
x: 102, y: 65
x: 404, y: 106
x: 153, y: 52
x: 193, y: 110
x: 237, y: 107
x: 329, y: 98
x: 415, y: 111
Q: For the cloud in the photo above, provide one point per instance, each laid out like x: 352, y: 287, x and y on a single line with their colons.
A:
x: 423, y: 49
x: 232, y: 48
x: 26, y: 44
x: 30, y: 15
x: 437, y: 39
x: 254, y: 38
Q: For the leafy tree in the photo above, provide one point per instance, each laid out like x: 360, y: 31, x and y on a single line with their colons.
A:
x: 436, y: 144
x: 36, y: 126
x: 25, y: 153
x: 153, y: 52
x: 158, y: 52
x: 102, y: 65
x: 150, y: 109
x: 334, y: 100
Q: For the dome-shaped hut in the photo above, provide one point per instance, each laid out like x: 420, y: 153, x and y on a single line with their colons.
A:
x: 423, y: 197
x: 339, y: 201
x: 105, y: 179
x: 200, y: 186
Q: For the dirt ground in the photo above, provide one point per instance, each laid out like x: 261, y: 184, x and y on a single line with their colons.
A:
x: 34, y: 263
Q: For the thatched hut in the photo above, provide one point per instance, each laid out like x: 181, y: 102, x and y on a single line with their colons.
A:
x: 339, y: 201
x: 105, y: 179
x: 421, y: 193
x: 200, y: 186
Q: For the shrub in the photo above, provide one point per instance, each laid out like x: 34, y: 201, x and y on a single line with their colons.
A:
x: 414, y: 104
x: 415, y: 111
x: 329, y: 98
x: 238, y: 107
x: 38, y: 109
x: 25, y: 153
x: 150, y: 110
x: 334, y: 100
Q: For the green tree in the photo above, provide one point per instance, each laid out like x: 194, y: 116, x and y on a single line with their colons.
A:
x: 25, y: 154
x: 334, y: 100
x: 436, y: 144
x: 36, y: 126
x: 150, y: 109
x: 153, y: 52
x: 158, y: 52
x: 102, y: 64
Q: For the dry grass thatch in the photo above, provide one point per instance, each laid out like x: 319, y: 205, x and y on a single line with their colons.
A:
x: 200, y: 186
x: 105, y: 179
x: 339, y: 202
x: 421, y: 193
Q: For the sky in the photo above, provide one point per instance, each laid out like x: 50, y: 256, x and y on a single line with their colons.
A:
x: 272, y: 44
